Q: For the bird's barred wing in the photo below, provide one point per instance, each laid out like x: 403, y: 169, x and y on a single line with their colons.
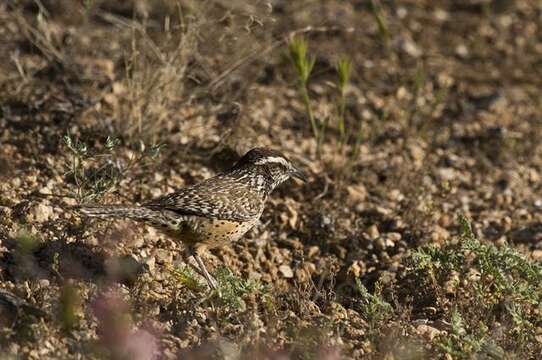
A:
x: 218, y: 197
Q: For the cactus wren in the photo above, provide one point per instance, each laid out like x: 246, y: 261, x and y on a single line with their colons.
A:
x: 216, y: 211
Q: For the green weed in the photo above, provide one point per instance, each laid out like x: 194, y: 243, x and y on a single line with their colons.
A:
x: 497, y: 285
x: 344, y: 69
x: 186, y: 277
x: 70, y: 303
x: 304, y: 65
x: 26, y: 242
x: 374, y: 308
x: 459, y: 341
x: 383, y: 28
x: 231, y: 288
x: 98, y: 172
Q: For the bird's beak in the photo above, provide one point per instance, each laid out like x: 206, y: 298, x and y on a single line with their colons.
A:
x: 297, y: 173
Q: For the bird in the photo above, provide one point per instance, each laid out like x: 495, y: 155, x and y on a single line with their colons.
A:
x: 214, y: 212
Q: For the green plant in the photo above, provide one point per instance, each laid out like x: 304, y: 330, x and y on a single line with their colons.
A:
x: 89, y: 184
x: 87, y: 4
x: 70, y: 303
x: 344, y: 72
x: 232, y: 288
x: 99, y: 172
x: 522, y: 328
x: 344, y: 69
x: 186, y: 277
x: 459, y: 342
x: 383, y: 29
x: 26, y: 241
x: 375, y: 309
x: 497, y: 285
x: 304, y: 65
x: 503, y: 271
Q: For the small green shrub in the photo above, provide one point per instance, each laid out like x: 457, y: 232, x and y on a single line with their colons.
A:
x: 98, y: 172
x: 459, y: 341
x: 232, y: 288
x: 497, y: 286
x: 26, y: 242
x: 186, y: 277
x: 373, y: 307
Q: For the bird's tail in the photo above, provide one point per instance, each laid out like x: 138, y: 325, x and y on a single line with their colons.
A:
x: 118, y: 211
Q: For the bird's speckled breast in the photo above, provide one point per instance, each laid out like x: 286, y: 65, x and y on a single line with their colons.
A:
x: 208, y: 233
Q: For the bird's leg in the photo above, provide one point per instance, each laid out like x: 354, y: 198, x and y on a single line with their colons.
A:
x: 189, y: 258
x: 201, y: 269
x: 210, y: 280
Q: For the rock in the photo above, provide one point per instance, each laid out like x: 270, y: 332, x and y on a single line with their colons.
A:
x: 357, y: 193
x: 313, y: 250
x: 441, y: 15
x: 163, y: 256
x: 388, y: 242
x: 41, y: 213
x: 309, y: 267
x: 446, y: 174
x: 417, y: 153
x: 380, y: 244
x: 356, y: 269
x: 326, y: 220
x: 302, y: 275
x: 254, y: 275
x: 428, y: 332
x: 137, y: 241
x: 382, y: 211
x: 439, y: 234
x: 16, y: 182
x: 394, y: 236
x: 395, y: 195
x: 408, y: 46
x: 462, y: 51
x: 150, y: 263
x: 5, y: 213
x: 286, y: 271
x: 156, y: 192
x: 158, y: 177
x: 537, y: 255
x: 70, y: 201
x: 373, y: 232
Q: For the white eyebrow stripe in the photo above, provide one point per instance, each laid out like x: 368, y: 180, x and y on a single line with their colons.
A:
x: 273, y: 159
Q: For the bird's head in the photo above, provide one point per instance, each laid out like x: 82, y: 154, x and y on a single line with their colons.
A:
x: 270, y: 165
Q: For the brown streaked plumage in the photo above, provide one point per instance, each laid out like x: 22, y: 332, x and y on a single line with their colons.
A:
x: 216, y: 211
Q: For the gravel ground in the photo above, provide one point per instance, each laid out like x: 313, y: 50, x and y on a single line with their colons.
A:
x: 369, y: 259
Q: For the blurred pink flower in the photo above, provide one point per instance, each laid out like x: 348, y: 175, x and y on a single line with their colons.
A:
x: 117, y: 331
x: 141, y: 345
